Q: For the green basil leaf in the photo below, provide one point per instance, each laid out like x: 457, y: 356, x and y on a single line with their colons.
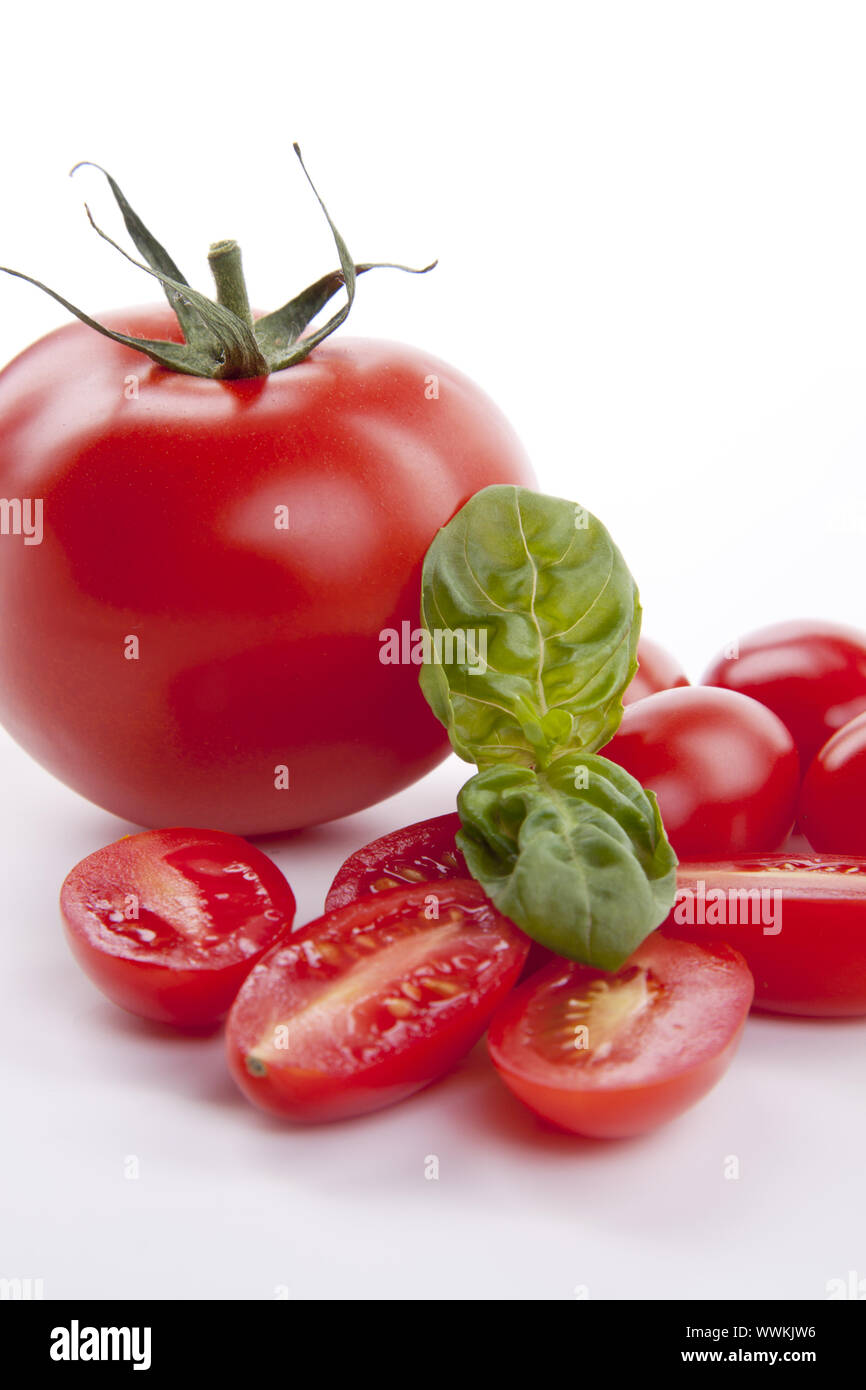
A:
x: 576, y: 855
x: 534, y: 619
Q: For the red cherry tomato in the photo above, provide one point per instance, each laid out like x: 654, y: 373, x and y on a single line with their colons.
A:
x: 197, y: 638
x: 723, y: 767
x: 419, y: 853
x: 610, y: 1056
x: 800, y: 923
x: 832, y: 810
x: 168, y: 923
x: 657, y: 670
x: 812, y: 675
x: 372, y: 1002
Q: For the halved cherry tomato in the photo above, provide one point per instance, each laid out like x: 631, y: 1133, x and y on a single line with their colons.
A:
x: 421, y: 853
x: 832, y: 811
x: 372, y: 1001
x: 613, y: 1055
x: 800, y: 923
x: 169, y: 922
x: 418, y: 853
x: 811, y: 674
x: 657, y: 670
x: 724, y: 769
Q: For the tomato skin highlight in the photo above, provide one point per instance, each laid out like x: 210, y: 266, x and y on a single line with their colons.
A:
x: 372, y: 1002
x: 259, y: 647
x: 657, y: 670
x: 198, y: 929
x: 688, y: 1032
x: 832, y: 810
x: 724, y: 769
x: 811, y: 674
x: 811, y: 959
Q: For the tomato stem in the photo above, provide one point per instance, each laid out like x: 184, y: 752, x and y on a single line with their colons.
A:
x: 220, y: 339
x: 224, y: 259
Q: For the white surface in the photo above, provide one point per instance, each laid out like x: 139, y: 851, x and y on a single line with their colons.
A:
x: 651, y: 221
x: 230, y: 1204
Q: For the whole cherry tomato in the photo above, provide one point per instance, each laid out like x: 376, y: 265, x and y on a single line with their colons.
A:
x: 811, y: 674
x: 723, y: 767
x: 197, y: 637
x: 657, y: 670
x: 832, y: 811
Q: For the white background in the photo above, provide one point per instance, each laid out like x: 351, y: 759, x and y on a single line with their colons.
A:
x: 651, y: 225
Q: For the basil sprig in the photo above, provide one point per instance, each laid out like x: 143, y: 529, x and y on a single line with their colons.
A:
x: 542, y: 592
x: 584, y: 867
x: 533, y: 619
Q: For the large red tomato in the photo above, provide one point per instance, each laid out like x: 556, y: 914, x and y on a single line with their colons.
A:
x: 197, y: 638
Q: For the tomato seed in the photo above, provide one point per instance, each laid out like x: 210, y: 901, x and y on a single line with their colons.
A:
x: 400, y: 1008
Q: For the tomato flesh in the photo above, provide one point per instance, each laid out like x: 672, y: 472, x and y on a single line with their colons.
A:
x: 421, y: 853
x: 372, y: 1001
x: 613, y: 1055
x: 811, y: 674
x: 724, y: 769
x: 799, y: 922
x: 168, y: 923
x: 418, y: 853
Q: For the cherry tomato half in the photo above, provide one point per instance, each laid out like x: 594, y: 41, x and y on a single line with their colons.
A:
x: 724, y: 769
x: 373, y: 1001
x: 419, y: 853
x: 800, y: 924
x: 168, y: 923
x: 657, y: 670
x: 811, y: 674
x: 832, y: 810
x: 611, y: 1056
